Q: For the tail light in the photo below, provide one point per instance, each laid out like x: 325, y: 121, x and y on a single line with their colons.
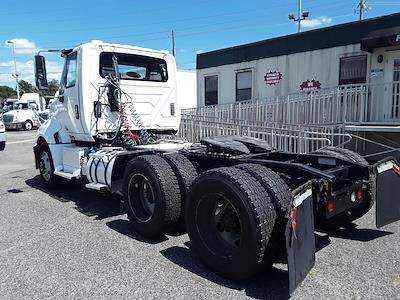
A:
x: 359, y: 195
x: 330, y: 207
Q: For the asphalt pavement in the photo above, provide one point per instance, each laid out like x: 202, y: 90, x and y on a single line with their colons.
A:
x: 77, y: 244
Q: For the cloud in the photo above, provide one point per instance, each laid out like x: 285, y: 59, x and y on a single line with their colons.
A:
x: 199, y: 51
x: 26, y: 71
x: 311, y: 23
x: 23, y: 46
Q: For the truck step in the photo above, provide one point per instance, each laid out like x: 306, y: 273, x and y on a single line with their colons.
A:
x: 69, y: 176
x: 97, y: 186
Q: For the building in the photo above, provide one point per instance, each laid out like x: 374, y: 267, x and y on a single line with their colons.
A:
x: 361, y: 56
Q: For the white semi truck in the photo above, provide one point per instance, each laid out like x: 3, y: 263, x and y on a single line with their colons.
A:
x: 24, y: 113
x: 241, y: 202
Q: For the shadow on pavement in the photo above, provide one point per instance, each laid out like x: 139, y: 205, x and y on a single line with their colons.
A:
x: 124, y: 227
x: 90, y: 203
x: 356, y: 234
x: 271, y: 284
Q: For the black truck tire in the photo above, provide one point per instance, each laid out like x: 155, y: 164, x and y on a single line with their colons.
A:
x: 230, y: 218
x: 276, y: 187
x: 280, y: 194
x: 351, y: 155
x: 355, y: 157
x: 185, y: 173
x: 46, y: 167
x: 151, y: 195
x: 345, y: 219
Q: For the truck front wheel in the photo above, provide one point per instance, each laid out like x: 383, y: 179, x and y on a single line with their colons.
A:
x: 46, y: 167
x: 28, y: 125
x: 151, y: 195
x: 229, y: 218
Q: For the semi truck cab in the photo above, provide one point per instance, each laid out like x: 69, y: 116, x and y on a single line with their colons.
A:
x: 148, y: 78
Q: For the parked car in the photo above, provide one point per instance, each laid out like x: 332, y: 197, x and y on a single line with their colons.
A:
x: 2, y: 136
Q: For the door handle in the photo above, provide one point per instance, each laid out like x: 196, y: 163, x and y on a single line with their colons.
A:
x: 76, y: 112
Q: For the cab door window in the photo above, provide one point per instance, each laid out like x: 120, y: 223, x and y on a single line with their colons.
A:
x: 69, y: 76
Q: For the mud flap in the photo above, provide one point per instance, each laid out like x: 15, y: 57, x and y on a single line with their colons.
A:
x: 299, y: 234
x: 387, y: 192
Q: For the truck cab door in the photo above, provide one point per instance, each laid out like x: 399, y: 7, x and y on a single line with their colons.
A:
x: 69, y: 114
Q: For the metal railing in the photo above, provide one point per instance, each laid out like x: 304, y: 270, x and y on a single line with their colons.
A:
x: 285, y: 137
x: 355, y: 104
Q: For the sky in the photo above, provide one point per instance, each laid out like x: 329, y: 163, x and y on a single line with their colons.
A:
x: 199, y: 26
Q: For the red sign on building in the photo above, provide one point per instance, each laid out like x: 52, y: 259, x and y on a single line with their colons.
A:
x: 310, y: 85
x: 273, y: 78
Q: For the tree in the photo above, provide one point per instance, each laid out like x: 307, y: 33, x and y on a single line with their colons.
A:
x: 26, y: 87
x: 53, y: 88
x: 6, y: 92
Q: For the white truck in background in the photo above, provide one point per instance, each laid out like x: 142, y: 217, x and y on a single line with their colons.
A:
x: 25, y: 112
x: 242, y: 202
x: 2, y: 136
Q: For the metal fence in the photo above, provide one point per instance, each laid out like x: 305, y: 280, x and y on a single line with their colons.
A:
x: 285, y: 137
x: 355, y: 104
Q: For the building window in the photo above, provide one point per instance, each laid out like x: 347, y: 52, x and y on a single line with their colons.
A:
x: 243, y: 85
x: 353, y: 70
x: 211, y: 90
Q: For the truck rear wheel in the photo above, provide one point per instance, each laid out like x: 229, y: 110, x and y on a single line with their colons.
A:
x: 186, y: 173
x: 229, y: 218
x: 151, y: 195
x: 279, y: 192
x: 46, y: 167
x: 346, y: 218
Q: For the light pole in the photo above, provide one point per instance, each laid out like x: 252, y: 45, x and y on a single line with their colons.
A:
x: 15, y: 66
x: 301, y: 16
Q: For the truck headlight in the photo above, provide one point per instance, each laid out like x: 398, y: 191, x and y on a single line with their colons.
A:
x: 1, y: 126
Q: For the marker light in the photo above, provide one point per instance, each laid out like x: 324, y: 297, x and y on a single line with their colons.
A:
x: 353, y: 197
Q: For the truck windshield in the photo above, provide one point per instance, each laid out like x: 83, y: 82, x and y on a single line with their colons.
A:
x: 134, y: 67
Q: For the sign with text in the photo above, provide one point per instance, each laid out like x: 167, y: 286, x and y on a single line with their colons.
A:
x: 310, y: 85
x: 273, y: 78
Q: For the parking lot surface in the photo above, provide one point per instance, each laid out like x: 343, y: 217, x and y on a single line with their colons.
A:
x: 77, y: 244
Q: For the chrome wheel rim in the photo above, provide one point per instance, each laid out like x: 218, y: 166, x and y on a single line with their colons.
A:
x: 45, y: 166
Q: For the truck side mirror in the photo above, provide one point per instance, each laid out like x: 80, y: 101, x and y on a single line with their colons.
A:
x: 97, y: 109
x: 40, y: 73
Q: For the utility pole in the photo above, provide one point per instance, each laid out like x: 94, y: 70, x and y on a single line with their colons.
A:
x: 362, y: 8
x: 301, y: 16
x: 173, y: 43
x: 15, y: 66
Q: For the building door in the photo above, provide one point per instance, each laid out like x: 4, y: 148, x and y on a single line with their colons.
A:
x: 392, y: 88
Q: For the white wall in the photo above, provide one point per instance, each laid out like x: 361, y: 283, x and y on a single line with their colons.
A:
x: 321, y: 65
x: 187, y: 89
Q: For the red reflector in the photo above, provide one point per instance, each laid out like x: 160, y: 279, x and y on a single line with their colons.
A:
x: 359, y: 195
x: 294, y: 222
x: 330, y: 207
x: 396, y: 168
